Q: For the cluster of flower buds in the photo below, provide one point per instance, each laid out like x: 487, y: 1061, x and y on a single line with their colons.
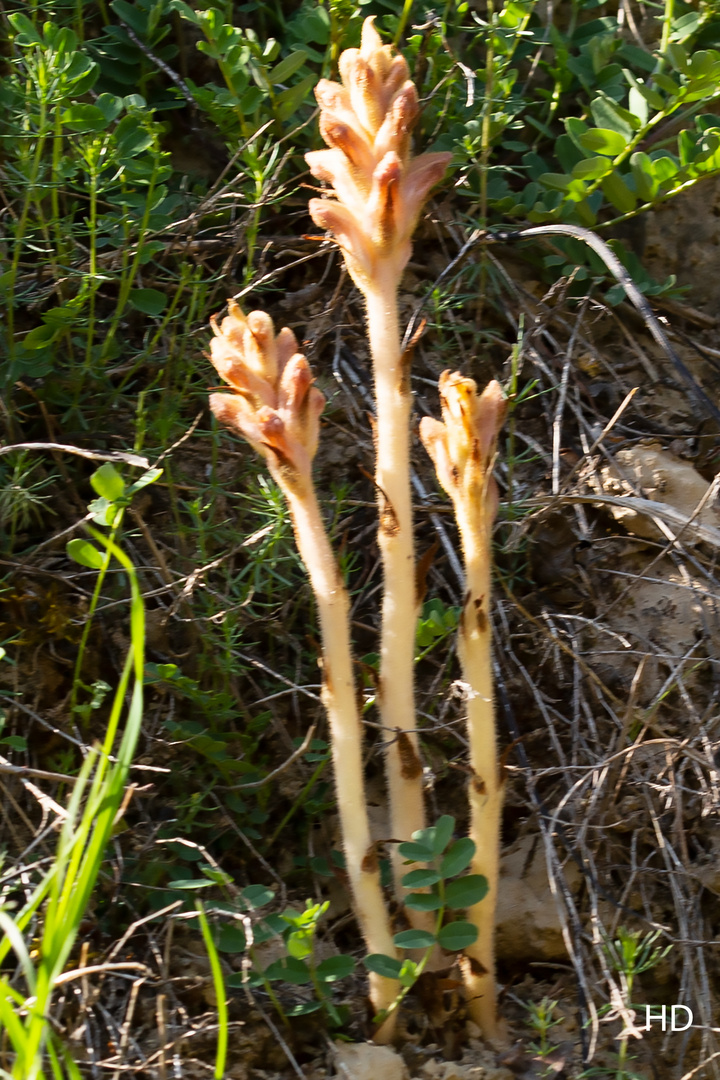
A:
x: 275, y: 405
x: 379, y: 188
x: 463, y: 446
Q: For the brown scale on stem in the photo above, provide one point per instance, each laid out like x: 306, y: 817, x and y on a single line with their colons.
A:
x: 410, y: 764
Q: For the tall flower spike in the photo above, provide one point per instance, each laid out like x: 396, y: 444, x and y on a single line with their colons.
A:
x: 275, y: 405
x: 463, y: 450
x: 380, y: 189
x: 277, y: 409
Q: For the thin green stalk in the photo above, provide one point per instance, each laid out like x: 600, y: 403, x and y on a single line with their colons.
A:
x: 220, y: 995
x: 93, y: 175
x: 485, y: 149
x: 487, y: 118
x: 128, y: 275
x: 404, y: 16
x: 19, y: 237
x: 107, y: 559
x: 81, y: 848
x: 668, y: 16
x: 317, y: 773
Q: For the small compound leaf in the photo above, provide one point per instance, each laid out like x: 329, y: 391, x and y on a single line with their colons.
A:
x: 457, y: 935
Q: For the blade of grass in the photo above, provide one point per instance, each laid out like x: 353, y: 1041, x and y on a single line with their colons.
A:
x: 221, y: 997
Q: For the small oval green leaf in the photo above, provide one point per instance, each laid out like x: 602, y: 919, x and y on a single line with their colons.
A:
x: 618, y: 193
x: 232, y: 939
x: 442, y: 833
x: 387, y: 966
x: 466, y: 891
x: 414, y: 852
x: 256, y: 896
x: 40, y: 337
x: 81, y: 118
x: 420, y: 879
x: 83, y: 552
x: 592, y: 168
x: 457, y: 935
x: 458, y: 857
x: 420, y: 901
x: 603, y: 141
x: 289, y: 969
x: 335, y: 967
x: 107, y: 482
x: 287, y: 67
x: 149, y: 301
x: 414, y: 939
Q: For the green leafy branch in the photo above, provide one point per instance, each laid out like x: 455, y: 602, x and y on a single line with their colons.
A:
x: 437, y: 888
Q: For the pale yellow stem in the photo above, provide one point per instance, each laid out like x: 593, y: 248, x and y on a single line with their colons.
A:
x: 340, y: 701
x: 485, y: 790
x: 396, y: 694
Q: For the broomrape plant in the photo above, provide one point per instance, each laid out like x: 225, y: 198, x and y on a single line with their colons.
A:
x: 376, y: 192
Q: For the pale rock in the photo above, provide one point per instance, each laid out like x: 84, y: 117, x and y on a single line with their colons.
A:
x: 366, y: 1061
x: 662, y: 478
x: 528, y: 926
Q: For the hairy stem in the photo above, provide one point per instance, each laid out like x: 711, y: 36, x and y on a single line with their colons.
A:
x: 485, y: 791
x: 340, y: 702
x: 395, y: 537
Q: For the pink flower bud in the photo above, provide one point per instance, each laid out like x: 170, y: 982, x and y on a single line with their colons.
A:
x: 275, y: 406
x: 379, y: 189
